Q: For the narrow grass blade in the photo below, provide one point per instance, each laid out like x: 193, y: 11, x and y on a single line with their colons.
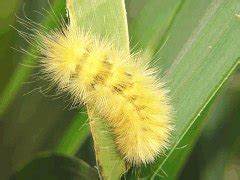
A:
x: 55, y: 166
x: 22, y: 72
x: 149, y: 22
x: 105, y: 18
x: 75, y: 135
x: 201, y: 66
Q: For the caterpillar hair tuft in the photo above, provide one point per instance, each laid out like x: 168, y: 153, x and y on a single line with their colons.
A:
x: 119, y: 86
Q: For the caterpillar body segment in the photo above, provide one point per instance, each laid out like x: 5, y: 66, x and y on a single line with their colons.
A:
x: 117, y: 85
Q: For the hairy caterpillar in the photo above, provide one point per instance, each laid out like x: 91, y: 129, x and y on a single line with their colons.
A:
x: 119, y: 86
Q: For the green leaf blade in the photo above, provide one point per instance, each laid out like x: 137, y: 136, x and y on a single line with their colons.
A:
x: 55, y: 166
x: 149, y: 22
x: 22, y: 72
x: 107, y: 19
x: 75, y: 135
x: 204, y: 63
x: 104, y: 17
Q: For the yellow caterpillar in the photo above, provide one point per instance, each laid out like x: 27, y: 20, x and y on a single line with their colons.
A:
x: 117, y: 85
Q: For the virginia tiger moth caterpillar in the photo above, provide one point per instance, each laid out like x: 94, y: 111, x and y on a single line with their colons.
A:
x: 118, y: 85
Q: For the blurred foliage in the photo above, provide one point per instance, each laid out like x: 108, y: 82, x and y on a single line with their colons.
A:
x: 200, y: 50
x: 9, y: 37
x: 34, y: 124
x: 56, y: 167
x: 217, y: 151
x: 31, y: 124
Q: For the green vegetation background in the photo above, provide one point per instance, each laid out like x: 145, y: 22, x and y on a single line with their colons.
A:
x: 35, y: 123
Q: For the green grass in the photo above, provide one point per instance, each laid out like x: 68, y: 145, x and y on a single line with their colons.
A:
x: 196, y: 44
